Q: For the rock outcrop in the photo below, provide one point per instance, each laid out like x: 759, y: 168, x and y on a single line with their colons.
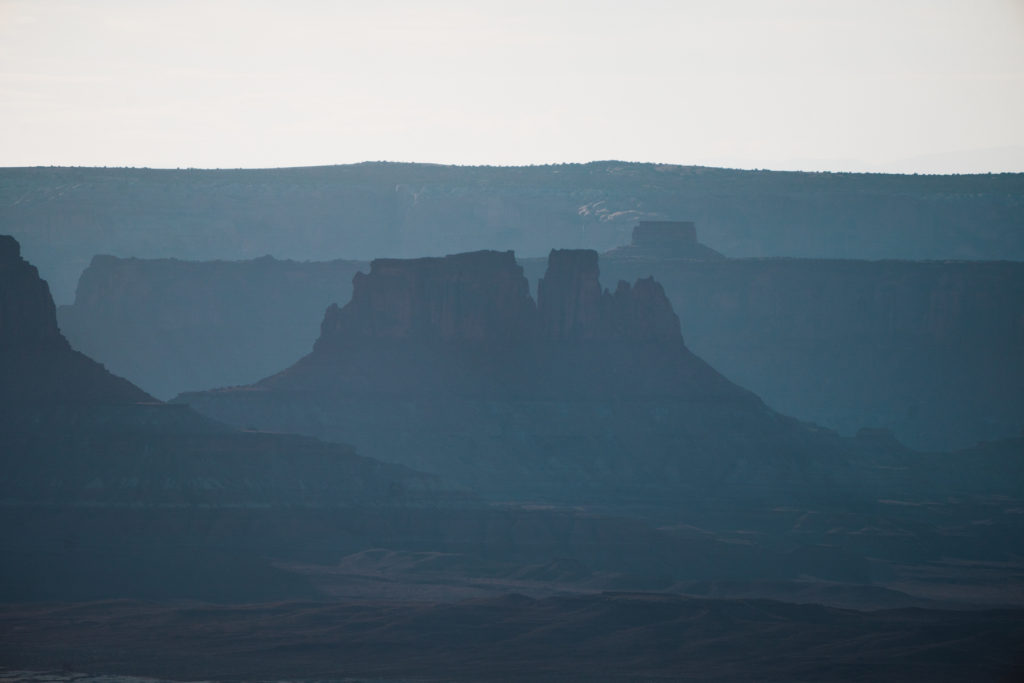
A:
x: 465, y: 326
x: 445, y: 364
x: 27, y: 315
x: 483, y: 298
x: 665, y: 240
x: 479, y: 297
x: 36, y: 362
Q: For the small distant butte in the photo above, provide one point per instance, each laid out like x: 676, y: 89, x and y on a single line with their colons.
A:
x: 665, y: 240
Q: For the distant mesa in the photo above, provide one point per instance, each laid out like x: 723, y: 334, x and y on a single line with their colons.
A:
x: 665, y: 240
x: 473, y: 297
x: 664, y: 233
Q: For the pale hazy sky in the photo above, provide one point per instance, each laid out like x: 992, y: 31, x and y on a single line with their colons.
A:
x: 902, y: 85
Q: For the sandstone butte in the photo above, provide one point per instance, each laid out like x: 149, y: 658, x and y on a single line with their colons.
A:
x: 447, y: 364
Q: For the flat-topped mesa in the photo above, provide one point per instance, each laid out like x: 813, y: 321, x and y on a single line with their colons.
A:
x: 664, y: 234
x: 572, y: 307
x: 665, y: 239
x: 483, y: 298
x: 472, y: 297
x: 446, y: 365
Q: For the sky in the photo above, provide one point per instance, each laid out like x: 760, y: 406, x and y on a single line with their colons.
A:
x: 929, y: 86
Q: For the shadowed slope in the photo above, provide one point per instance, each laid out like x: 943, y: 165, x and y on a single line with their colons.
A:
x: 36, y: 362
x: 603, y: 638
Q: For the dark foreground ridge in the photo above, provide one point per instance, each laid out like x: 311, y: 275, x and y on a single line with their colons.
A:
x: 37, y: 365
x: 604, y: 638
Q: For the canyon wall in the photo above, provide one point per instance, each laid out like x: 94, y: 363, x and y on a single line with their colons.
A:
x: 172, y: 326
x: 63, y: 216
x: 933, y: 351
